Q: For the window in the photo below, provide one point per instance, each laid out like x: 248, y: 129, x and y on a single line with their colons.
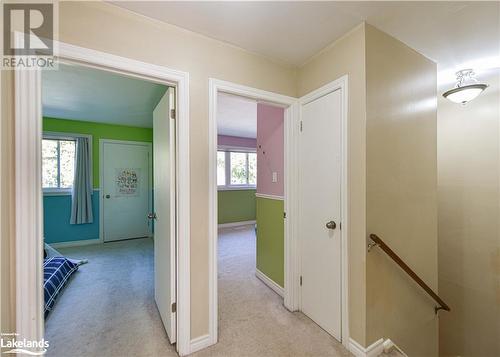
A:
x: 221, y: 168
x: 58, y: 163
x: 236, y: 169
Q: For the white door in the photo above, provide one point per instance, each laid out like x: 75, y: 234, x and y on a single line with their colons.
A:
x: 126, y: 191
x: 319, y: 187
x: 164, y: 209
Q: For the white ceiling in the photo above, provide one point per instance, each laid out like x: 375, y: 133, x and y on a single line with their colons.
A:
x: 236, y: 116
x: 82, y: 93
x: 454, y: 34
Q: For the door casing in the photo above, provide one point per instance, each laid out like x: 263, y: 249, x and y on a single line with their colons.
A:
x: 28, y: 191
x: 292, y: 254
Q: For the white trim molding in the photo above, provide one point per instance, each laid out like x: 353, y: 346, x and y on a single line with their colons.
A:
x: 274, y: 286
x: 75, y: 243
x: 389, y: 346
x: 270, y: 197
x: 290, y: 104
x: 28, y: 217
x: 29, y: 245
x: 199, y: 343
x: 236, y: 224
x: 342, y: 85
x: 236, y: 188
x: 373, y: 350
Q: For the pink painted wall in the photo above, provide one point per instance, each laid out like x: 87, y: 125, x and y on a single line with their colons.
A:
x: 236, y: 141
x: 270, y: 149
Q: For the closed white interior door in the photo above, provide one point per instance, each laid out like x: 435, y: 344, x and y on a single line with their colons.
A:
x: 126, y: 189
x: 319, y: 187
x: 164, y: 209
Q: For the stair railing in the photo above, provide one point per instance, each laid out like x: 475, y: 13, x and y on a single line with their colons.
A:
x: 380, y: 243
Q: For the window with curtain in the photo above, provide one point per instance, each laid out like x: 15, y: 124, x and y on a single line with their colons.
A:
x: 58, y: 163
x: 236, y: 169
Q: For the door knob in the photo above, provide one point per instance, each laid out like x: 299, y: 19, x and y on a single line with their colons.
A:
x: 108, y: 196
x: 331, y: 225
x: 152, y: 215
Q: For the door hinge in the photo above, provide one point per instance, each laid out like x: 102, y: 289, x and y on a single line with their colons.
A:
x: 301, y: 125
x: 300, y: 280
x: 172, y: 113
x: 284, y: 214
x: 174, y: 307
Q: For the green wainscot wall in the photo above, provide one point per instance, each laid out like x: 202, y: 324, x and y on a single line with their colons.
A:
x: 270, y: 239
x: 236, y: 206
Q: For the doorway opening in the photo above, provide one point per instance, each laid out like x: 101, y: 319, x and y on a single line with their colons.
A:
x: 29, y: 193
x: 109, y: 224
x: 294, y: 228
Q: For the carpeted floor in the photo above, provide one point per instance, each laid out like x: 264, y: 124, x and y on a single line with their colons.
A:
x: 108, y: 308
x: 252, y: 318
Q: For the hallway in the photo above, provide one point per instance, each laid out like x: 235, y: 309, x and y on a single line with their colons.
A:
x: 252, y: 318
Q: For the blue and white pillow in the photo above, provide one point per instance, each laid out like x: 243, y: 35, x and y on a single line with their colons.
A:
x: 56, y: 272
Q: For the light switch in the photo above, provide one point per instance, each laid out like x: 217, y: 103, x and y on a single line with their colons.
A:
x: 275, y: 176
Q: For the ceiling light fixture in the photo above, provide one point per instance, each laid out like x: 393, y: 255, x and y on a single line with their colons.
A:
x: 466, y: 89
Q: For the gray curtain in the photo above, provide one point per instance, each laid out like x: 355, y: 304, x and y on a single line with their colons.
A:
x: 81, y: 195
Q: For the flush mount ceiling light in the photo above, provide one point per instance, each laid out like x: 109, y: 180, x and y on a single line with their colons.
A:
x: 466, y: 89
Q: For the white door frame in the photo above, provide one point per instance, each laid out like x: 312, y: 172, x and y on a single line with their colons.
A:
x: 291, y: 286
x: 29, y: 221
x: 342, y: 85
x: 101, y: 177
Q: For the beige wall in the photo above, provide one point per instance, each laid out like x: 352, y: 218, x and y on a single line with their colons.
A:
x: 469, y: 241
x: 110, y: 29
x: 401, y: 192
x: 347, y: 56
x: 137, y: 37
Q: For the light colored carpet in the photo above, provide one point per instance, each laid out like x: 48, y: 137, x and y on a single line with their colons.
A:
x: 252, y: 318
x: 108, y: 308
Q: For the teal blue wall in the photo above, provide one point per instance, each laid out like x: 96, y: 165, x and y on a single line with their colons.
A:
x: 56, y: 215
x: 57, y: 209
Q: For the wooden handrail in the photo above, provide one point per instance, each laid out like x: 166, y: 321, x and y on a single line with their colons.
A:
x: 379, y: 242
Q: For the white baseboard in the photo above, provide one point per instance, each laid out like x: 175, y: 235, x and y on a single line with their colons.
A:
x: 75, y: 243
x: 200, y: 343
x: 236, y: 224
x: 373, y: 350
x: 270, y: 197
x: 389, y: 346
x: 270, y: 283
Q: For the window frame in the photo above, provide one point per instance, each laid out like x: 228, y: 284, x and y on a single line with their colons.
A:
x: 54, y: 135
x: 228, y: 150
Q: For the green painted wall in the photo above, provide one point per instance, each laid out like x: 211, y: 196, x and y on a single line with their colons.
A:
x: 270, y: 239
x: 236, y: 206
x: 98, y: 131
